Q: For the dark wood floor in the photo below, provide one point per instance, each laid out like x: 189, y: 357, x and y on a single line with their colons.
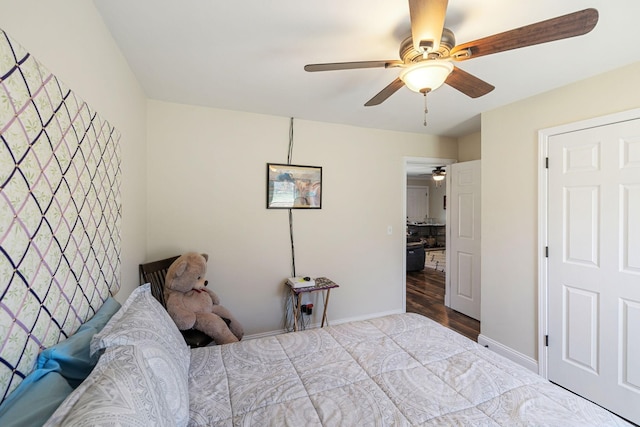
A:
x: 425, y: 295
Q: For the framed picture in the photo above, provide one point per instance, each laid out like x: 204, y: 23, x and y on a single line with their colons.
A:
x: 294, y: 186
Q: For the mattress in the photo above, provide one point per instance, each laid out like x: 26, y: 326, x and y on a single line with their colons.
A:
x: 397, y: 370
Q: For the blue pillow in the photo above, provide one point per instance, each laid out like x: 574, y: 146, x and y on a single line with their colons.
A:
x: 103, y: 315
x: 71, y: 357
x: 35, y: 399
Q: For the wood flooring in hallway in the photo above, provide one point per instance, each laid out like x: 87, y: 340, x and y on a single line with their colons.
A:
x: 425, y: 295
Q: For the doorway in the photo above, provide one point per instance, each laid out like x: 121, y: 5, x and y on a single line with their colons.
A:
x: 425, y: 290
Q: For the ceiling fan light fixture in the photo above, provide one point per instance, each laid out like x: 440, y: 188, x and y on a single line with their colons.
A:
x: 426, y: 76
x: 438, y: 174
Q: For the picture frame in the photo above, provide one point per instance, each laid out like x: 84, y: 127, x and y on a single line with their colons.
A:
x: 294, y: 186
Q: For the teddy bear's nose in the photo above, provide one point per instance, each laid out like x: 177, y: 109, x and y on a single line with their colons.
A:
x: 206, y: 282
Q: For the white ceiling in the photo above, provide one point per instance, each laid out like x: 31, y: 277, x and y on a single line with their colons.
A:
x: 249, y: 55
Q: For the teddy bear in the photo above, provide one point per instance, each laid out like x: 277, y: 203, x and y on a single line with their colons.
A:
x: 192, y: 305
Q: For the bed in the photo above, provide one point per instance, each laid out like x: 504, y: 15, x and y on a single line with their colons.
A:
x: 398, y: 370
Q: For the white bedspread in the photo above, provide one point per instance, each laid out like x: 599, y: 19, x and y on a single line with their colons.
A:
x: 392, y: 371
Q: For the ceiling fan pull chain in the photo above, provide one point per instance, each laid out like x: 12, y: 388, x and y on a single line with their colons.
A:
x: 425, y: 108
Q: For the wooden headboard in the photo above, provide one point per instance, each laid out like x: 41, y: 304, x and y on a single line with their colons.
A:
x: 60, y: 211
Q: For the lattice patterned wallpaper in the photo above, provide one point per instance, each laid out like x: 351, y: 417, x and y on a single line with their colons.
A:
x: 60, y: 211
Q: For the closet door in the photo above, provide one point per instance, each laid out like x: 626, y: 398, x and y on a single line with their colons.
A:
x: 594, y: 264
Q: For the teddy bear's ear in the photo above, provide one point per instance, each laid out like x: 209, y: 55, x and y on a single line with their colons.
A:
x: 180, y: 268
x: 206, y: 257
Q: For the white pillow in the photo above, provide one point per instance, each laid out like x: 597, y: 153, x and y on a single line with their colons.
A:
x: 173, y: 381
x: 143, y: 323
x: 121, y: 390
x: 140, y: 320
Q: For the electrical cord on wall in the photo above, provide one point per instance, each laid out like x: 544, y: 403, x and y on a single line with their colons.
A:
x: 290, y: 154
x: 291, y: 303
x: 293, y: 251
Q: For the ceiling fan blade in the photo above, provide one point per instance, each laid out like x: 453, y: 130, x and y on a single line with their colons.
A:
x: 468, y: 84
x: 331, y: 66
x: 385, y: 93
x: 427, y: 22
x: 562, y: 27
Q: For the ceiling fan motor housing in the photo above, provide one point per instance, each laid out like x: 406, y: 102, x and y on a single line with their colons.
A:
x: 410, y: 55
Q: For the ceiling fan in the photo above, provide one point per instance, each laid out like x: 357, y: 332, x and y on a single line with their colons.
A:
x: 439, y: 173
x: 427, y: 56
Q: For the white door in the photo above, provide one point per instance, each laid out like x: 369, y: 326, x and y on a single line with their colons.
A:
x: 594, y: 265
x: 464, y: 242
x: 417, y: 202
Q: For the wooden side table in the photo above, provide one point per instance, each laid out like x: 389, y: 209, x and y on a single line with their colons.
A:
x: 321, y: 284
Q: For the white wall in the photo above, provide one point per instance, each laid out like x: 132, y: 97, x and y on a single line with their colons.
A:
x: 70, y: 39
x: 509, y: 196
x: 207, y: 192
x: 469, y: 147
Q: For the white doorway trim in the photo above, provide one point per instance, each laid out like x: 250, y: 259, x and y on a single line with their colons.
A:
x: 427, y: 161
x: 543, y: 149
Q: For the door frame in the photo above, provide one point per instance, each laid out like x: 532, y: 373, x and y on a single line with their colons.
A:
x: 543, y: 198
x: 403, y: 236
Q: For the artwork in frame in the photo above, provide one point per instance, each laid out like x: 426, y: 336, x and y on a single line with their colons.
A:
x: 294, y: 186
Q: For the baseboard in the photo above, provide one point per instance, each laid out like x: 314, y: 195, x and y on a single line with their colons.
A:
x: 317, y: 325
x: 515, y: 356
x: 263, y: 334
x: 365, y: 317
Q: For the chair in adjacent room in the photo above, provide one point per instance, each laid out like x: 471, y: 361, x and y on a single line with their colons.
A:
x: 415, y: 256
x: 155, y: 273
